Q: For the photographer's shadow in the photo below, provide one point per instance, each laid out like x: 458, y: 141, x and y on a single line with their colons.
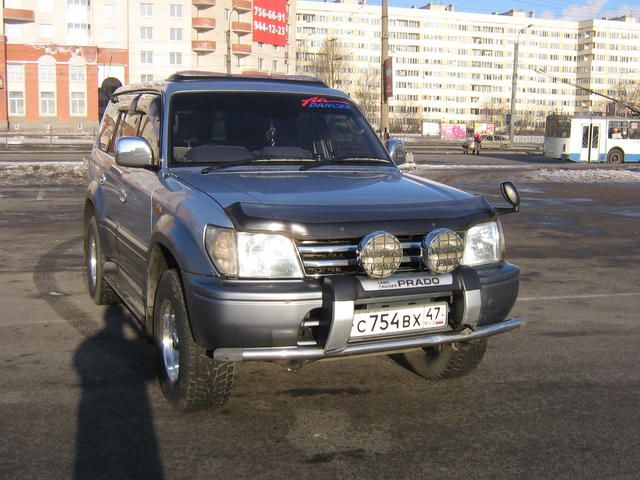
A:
x: 115, y: 435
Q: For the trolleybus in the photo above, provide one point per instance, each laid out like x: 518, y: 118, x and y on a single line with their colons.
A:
x: 592, y: 139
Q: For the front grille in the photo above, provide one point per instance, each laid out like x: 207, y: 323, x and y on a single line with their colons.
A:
x: 339, y: 256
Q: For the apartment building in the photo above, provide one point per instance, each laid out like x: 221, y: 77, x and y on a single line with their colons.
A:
x: 456, y: 67
x: 60, y: 59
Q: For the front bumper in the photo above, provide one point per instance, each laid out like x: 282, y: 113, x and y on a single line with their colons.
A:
x: 250, y: 320
x: 380, y: 346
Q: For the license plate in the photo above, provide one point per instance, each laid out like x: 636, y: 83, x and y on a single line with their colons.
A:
x: 390, y: 320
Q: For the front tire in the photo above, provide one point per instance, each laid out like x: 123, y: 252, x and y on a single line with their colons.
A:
x: 445, y: 361
x: 190, y: 379
x: 99, y: 289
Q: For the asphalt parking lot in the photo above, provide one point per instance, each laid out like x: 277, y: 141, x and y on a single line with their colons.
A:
x: 557, y: 399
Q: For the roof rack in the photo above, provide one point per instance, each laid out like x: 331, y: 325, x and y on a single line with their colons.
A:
x: 188, y: 75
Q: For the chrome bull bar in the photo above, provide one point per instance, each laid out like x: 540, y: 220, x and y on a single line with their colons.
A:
x: 374, y: 347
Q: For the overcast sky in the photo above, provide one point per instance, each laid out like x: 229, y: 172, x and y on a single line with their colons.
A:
x: 568, y: 10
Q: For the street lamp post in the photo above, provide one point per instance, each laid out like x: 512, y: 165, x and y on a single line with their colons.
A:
x: 384, y: 53
x: 229, y: 38
x: 514, y: 83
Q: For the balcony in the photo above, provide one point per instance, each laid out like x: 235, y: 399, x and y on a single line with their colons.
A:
x: 18, y: 15
x: 202, y: 4
x: 242, y: 5
x: 203, y: 46
x: 202, y: 24
x: 240, y: 49
x: 241, y: 28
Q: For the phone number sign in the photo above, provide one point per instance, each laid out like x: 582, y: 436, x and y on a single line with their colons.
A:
x: 270, y: 22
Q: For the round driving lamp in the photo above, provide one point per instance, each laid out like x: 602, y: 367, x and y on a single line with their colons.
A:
x: 379, y: 254
x: 442, y: 250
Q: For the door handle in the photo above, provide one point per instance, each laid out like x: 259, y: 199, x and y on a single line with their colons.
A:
x: 102, y: 179
x: 123, y: 195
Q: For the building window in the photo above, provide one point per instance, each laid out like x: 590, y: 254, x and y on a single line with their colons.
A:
x: 146, y: 33
x: 110, y: 10
x: 45, y: 6
x: 78, y: 33
x: 146, y: 9
x: 146, y: 56
x: 81, y: 3
x: 175, y: 58
x: 78, y: 104
x: 275, y: 66
x: 15, y: 73
x: 260, y: 63
x: 47, y: 103
x: 175, y: 34
x: 16, y: 103
x: 47, y: 73
x: 13, y: 30
x: 175, y: 10
x: 146, y: 77
x: 77, y: 73
x: 45, y: 30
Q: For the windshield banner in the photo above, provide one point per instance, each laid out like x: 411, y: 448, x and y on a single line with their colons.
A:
x: 270, y: 22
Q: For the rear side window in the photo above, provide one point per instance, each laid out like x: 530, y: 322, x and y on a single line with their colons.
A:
x: 108, y: 127
x: 150, y: 122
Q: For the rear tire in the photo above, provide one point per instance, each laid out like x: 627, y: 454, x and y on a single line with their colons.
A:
x: 444, y: 361
x: 615, y: 155
x: 99, y: 289
x: 190, y: 379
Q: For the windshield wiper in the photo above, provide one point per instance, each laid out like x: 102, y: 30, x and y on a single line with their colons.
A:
x: 362, y: 159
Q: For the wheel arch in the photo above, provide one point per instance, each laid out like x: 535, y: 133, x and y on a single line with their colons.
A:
x: 615, y: 149
x: 160, y: 259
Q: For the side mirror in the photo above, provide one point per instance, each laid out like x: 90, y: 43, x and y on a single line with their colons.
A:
x: 134, y: 152
x: 396, y: 150
x: 511, y: 195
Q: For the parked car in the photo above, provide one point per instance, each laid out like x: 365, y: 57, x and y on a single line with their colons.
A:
x: 260, y: 218
x: 495, y: 141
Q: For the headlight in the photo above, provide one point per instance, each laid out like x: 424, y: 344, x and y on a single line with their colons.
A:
x: 483, y: 244
x: 252, y: 255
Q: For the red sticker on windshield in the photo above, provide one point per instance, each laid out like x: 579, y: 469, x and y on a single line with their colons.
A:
x: 319, y: 102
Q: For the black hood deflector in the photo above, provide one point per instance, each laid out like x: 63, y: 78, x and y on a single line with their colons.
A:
x: 309, y: 222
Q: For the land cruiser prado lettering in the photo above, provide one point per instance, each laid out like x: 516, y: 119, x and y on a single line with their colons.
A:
x: 260, y: 218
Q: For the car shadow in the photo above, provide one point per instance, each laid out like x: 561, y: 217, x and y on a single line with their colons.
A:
x: 115, y: 436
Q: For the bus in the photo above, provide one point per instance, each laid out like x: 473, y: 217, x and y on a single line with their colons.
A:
x: 592, y: 139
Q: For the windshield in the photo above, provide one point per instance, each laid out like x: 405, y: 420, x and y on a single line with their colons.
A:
x: 231, y: 127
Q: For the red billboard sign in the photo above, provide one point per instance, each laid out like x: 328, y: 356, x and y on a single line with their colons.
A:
x: 388, y: 77
x: 270, y: 22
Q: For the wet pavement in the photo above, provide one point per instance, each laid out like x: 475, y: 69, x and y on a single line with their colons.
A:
x: 557, y: 399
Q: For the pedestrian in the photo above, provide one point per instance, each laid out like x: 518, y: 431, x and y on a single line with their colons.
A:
x: 477, y: 140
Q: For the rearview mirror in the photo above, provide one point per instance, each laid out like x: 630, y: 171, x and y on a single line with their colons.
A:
x: 511, y: 195
x: 396, y: 150
x: 134, y: 152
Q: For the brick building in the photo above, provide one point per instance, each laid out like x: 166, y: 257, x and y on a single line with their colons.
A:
x: 58, y: 57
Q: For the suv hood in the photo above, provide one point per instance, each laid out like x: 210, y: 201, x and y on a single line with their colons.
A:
x: 338, y: 204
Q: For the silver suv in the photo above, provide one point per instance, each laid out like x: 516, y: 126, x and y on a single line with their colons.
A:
x: 261, y: 218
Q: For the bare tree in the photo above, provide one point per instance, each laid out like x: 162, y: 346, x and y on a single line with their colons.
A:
x: 492, y: 111
x: 330, y: 63
x: 627, y: 93
x: 365, y: 90
x: 406, y: 119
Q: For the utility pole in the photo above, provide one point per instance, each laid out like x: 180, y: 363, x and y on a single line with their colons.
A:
x: 514, y: 83
x: 384, y: 53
